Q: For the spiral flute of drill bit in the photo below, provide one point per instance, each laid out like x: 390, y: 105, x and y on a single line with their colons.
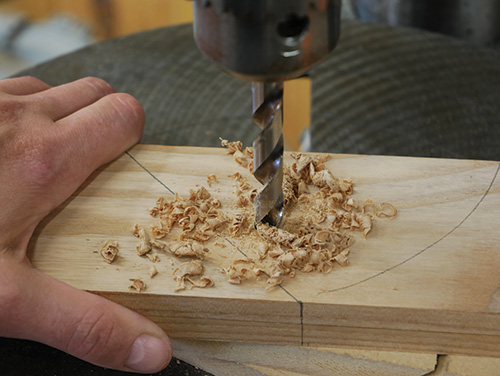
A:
x: 268, y: 151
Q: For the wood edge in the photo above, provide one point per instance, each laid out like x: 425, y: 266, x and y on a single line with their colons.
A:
x: 222, y: 150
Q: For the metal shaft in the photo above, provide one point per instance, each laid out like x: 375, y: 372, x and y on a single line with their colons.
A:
x: 268, y: 151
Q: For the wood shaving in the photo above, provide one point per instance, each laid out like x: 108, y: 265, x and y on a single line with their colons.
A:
x: 244, y: 157
x: 239, y: 270
x: 201, y: 282
x: 153, y: 271
x: 153, y: 257
x: 189, y: 249
x: 144, y: 246
x: 237, y: 224
x: 190, y: 268
x: 233, y: 276
x: 212, y: 179
x: 198, y: 216
x: 387, y: 215
x: 137, y: 285
x: 322, y: 218
x: 365, y: 224
x: 109, y: 251
x: 160, y: 245
x: 185, y: 273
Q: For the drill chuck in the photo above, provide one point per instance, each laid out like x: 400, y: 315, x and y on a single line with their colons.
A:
x: 266, y: 40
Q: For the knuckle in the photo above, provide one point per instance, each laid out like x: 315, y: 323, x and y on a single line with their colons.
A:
x: 40, y: 162
x: 12, y: 110
x: 93, y: 336
x: 130, y: 109
x: 24, y: 146
x: 35, y: 82
x: 98, y: 84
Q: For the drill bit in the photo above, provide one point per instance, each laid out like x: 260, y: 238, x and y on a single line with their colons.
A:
x: 268, y: 151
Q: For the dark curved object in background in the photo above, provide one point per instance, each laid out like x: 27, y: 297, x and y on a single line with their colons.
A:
x: 400, y: 91
x: 384, y: 90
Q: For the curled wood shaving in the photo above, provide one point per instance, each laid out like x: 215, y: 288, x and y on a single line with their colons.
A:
x: 212, y: 179
x: 160, y: 245
x: 232, y: 147
x: 137, y: 285
x: 244, y: 157
x: 341, y: 258
x: 153, y: 271
x: 387, y: 215
x: 201, y: 282
x: 290, y: 191
x: 233, y: 275
x: 189, y: 249
x: 194, y: 267
x: 240, y: 225
x: 366, y: 224
x: 259, y: 250
x: 109, y: 251
x: 185, y: 273
x: 302, y: 188
x: 370, y: 207
x: 240, y: 270
x: 153, y: 257
x: 144, y: 246
x: 276, y: 278
x: 159, y: 232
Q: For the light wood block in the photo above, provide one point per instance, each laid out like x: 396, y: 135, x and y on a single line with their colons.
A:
x: 426, y: 281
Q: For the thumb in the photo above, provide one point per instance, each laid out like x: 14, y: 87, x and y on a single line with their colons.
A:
x: 43, y: 309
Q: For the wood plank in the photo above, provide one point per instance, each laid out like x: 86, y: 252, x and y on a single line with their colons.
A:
x: 297, y: 96
x: 227, y: 359
x: 425, y: 281
x: 459, y: 365
x: 130, y: 16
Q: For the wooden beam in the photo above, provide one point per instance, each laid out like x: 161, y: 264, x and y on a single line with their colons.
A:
x: 427, y: 280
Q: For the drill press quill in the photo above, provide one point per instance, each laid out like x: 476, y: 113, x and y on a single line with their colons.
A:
x: 267, y: 42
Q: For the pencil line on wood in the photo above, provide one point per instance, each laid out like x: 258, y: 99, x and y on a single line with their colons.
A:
x: 301, y: 305
x: 150, y: 173
x: 426, y: 248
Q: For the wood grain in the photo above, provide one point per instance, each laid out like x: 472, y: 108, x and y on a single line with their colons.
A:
x: 227, y: 359
x: 425, y: 281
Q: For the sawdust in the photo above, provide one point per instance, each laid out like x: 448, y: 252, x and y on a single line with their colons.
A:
x: 321, y: 220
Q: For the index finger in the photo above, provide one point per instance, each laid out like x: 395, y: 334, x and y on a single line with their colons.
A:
x: 96, y: 135
x: 23, y: 85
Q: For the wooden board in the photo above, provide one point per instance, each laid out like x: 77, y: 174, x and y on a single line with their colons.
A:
x: 243, y: 359
x: 425, y: 281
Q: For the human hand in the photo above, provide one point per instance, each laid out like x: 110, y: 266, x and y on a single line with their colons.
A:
x: 51, y: 140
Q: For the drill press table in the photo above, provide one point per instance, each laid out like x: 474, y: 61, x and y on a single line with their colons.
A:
x: 383, y: 91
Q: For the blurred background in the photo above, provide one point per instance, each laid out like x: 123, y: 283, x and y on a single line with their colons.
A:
x: 34, y: 31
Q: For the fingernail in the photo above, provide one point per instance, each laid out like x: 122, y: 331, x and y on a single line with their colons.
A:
x: 148, y: 354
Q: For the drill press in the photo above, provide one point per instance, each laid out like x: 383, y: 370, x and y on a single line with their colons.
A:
x: 267, y: 42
